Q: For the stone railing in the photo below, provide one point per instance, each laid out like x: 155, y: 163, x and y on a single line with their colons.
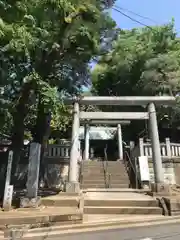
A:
x: 57, y: 158
x: 56, y: 165
x: 168, y: 149
x: 60, y: 150
x: 57, y: 151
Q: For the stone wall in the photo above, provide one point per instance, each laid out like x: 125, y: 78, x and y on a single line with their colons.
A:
x: 55, y: 173
x: 169, y: 176
x: 177, y: 170
x: 171, y: 171
x: 170, y: 153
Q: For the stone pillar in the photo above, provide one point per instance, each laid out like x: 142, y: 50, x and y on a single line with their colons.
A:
x: 33, y: 170
x: 120, y: 142
x: 86, y: 142
x: 168, y: 147
x: 8, y: 191
x: 141, y: 146
x: 91, y: 153
x: 32, y: 199
x: 156, y: 151
x: 73, y: 184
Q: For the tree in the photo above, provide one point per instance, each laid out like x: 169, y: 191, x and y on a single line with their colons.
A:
x: 45, y: 49
x: 142, y: 62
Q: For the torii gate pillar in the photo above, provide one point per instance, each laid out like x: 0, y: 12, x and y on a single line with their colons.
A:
x: 73, y: 184
x: 120, y: 142
x: 156, y: 150
x: 86, y: 141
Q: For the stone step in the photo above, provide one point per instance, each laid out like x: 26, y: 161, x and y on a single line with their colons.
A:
x: 122, y: 210
x: 120, y: 203
x: 105, y: 166
x: 93, y: 163
x: 60, y: 202
x: 117, y: 191
x: 89, y: 177
x: 83, y: 186
x: 101, y: 177
x: 115, y: 173
x: 104, y: 163
x: 104, y: 169
x: 98, y: 171
x: 101, y: 181
x: 121, y: 166
x: 101, y: 184
x: 119, y: 174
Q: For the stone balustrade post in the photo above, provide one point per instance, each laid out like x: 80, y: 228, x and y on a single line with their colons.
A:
x: 168, y: 147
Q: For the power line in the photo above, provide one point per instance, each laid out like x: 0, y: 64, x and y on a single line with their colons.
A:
x: 132, y: 19
x: 136, y: 14
x: 135, y: 20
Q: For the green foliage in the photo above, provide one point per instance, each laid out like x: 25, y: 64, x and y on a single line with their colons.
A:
x: 142, y: 62
x: 47, y: 46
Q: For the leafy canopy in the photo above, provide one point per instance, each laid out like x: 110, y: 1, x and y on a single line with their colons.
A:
x: 142, y: 62
x: 46, y: 46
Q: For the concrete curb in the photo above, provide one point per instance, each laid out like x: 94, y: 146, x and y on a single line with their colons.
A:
x: 55, y: 231
x: 40, y: 220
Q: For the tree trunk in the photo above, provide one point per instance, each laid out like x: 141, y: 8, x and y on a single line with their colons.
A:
x: 41, y: 134
x: 19, y: 115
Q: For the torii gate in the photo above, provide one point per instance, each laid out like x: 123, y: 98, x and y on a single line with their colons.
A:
x: 73, y: 184
x: 118, y: 123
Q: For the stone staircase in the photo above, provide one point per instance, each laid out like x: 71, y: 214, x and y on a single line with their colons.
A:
x: 106, y: 187
x: 103, y: 202
x: 106, y: 191
x: 120, y: 202
x: 99, y: 174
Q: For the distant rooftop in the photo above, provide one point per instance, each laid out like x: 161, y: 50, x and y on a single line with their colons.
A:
x: 99, y: 133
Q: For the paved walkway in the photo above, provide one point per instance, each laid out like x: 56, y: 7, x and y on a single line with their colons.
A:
x: 39, y: 215
x: 161, y: 232
x: 98, y: 231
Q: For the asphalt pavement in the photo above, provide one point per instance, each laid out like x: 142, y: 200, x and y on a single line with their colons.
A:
x: 165, y: 232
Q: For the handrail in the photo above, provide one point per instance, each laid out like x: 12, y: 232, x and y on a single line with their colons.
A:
x: 81, y: 168
x: 133, y: 168
x: 105, y: 168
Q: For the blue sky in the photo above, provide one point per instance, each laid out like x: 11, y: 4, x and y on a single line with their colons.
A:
x: 161, y: 11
